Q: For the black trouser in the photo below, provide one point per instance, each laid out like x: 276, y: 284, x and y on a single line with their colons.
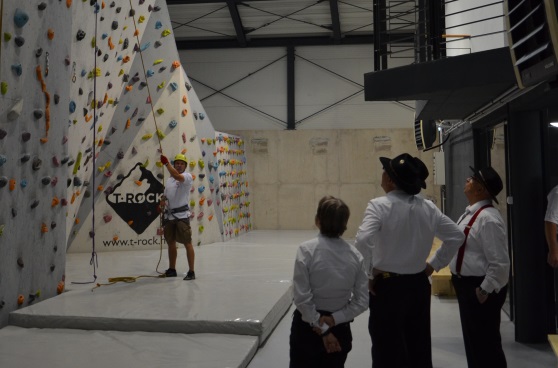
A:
x: 307, y: 348
x: 399, y: 323
x: 480, y: 323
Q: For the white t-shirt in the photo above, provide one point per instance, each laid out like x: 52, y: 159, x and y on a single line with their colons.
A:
x: 178, y: 195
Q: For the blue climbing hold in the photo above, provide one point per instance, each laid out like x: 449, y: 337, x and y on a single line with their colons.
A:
x: 18, y: 70
x: 20, y: 18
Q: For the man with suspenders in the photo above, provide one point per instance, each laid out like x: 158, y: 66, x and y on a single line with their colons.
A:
x: 480, y: 270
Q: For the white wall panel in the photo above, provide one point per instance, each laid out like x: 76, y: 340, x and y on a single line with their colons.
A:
x: 328, y: 88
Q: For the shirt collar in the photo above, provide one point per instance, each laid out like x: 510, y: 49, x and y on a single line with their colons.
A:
x: 474, y: 207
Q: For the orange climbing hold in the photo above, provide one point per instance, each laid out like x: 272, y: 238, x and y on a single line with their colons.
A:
x: 128, y: 122
x: 54, y: 202
x: 184, y: 112
x: 50, y: 34
x: 44, y: 228
x: 184, y: 99
x: 73, y: 198
x: 20, y: 299
x: 12, y: 184
x: 129, y: 88
x: 138, y: 183
x: 115, y: 238
x: 68, y: 3
x: 88, y: 118
x: 61, y: 285
x: 126, y: 59
x: 130, y: 223
x: 175, y: 64
x: 110, y: 44
x: 136, y: 33
x: 77, y: 221
x: 100, y: 188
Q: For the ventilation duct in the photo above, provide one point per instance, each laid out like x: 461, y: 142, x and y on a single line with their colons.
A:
x: 532, y: 29
x: 425, y: 134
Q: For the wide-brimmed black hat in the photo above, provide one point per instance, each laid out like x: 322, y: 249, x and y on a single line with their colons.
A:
x: 490, y: 179
x: 406, y: 172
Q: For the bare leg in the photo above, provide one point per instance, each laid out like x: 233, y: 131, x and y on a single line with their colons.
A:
x: 190, y: 255
x: 172, y: 255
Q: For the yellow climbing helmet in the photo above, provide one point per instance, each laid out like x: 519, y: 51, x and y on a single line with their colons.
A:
x: 181, y: 157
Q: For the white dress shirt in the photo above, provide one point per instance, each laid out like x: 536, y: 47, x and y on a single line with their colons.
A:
x: 552, y: 207
x: 398, y: 230
x: 486, y: 252
x: 329, y: 275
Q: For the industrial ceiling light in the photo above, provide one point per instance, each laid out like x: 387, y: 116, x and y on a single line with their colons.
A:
x: 554, y: 124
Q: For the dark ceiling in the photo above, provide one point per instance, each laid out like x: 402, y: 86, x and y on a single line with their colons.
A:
x: 203, y: 24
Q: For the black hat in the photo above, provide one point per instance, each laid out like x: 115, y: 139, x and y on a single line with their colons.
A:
x: 490, y: 179
x: 423, y: 172
x: 406, y: 171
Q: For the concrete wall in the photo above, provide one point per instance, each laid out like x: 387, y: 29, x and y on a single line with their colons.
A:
x: 289, y: 171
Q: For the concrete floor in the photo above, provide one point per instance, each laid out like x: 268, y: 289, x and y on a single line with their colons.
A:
x: 447, y: 343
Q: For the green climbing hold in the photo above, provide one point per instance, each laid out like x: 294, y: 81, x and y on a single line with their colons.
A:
x: 7, y: 36
x: 4, y: 88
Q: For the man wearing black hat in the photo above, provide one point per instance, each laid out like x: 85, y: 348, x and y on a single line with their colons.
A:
x: 480, y: 270
x: 395, y: 239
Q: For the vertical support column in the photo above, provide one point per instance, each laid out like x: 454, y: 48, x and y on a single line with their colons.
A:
x: 529, y: 251
x: 380, y: 46
x: 291, y: 88
x: 422, y: 32
x: 437, y: 26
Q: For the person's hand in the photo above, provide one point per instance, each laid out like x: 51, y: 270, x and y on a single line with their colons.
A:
x: 331, y: 343
x: 164, y: 160
x: 329, y: 320
x: 371, y: 284
x: 552, y: 259
x: 480, y: 297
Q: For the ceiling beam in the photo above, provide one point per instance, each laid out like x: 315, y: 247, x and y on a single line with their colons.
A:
x: 237, y: 22
x: 189, y: 2
x: 186, y: 44
x: 335, y: 23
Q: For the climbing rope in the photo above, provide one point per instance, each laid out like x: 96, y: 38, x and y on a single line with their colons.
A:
x: 131, y: 279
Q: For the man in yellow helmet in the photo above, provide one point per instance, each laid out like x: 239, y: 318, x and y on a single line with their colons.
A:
x: 176, y: 219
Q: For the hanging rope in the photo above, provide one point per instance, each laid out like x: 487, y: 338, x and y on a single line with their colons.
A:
x: 94, y: 260
x: 131, y: 279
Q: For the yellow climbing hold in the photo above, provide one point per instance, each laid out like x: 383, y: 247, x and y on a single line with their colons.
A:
x: 160, y: 111
x: 93, y: 42
x: 165, y: 33
x: 145, y: 164
x: 161, y: 85
x: 141, y: 19
x: 160, y: 134
x: 121, y: 72
x: 147, y: 136
x: 158, y: 61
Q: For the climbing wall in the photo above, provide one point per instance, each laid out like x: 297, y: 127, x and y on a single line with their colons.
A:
x: 235, y: 200
x: 145, y: 105
x: 35, y: 42
x: 91, y: 94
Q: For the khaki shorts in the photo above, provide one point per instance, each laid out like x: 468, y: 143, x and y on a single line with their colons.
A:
x: 178, y: 230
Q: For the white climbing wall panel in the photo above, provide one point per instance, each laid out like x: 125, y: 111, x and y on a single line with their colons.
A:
x: 91, y: 94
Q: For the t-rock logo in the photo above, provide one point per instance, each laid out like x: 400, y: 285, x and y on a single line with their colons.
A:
x: 133, y: 202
